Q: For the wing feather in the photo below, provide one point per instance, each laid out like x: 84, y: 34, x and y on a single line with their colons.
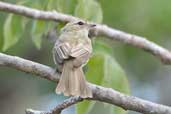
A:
x: 61, y: 52
x: 81, y: 54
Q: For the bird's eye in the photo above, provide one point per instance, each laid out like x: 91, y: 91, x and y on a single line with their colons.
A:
x: 80, y: 23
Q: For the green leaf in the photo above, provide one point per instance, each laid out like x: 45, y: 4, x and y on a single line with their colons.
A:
x: 89, y: 10
x: 115, y: 79
x: 38, y: 28
x: 52, y: 5
x: 113, y: 75
x: 1, y: 39
x: 38, y: 4
x: 104, y: 70
x: 1, y: 30
x: 12, y: 31
x: 66, y: 6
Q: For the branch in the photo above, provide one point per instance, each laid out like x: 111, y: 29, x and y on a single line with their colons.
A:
x: 31, y: 111
x: 101, y: 30
x: 103, y: 94
x: 58, y: 109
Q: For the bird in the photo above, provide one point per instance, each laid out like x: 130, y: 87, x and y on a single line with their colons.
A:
x: 71, y: 52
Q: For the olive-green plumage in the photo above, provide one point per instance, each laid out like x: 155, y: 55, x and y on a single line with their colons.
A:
x: 71, y: 51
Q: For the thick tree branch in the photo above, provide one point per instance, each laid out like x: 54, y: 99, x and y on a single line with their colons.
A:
x: 28, y: 66
x: 103, y: 94
x: 101, y: 30
x: 58, y: 109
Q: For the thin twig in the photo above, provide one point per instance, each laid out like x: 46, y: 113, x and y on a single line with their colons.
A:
x: 100, y: 93
x: 101, y: 30
x: 31, y: 111
x: 68, y: 102
x: 58, y: 109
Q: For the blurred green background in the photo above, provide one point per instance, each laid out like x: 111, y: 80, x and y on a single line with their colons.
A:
x: 122, y: 67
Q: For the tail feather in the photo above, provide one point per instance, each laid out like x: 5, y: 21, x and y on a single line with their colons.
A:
x: 63, y: 84
x: 73, y: 82
x: 85, y: 91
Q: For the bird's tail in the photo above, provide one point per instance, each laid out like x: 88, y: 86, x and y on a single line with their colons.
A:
x: 73, y: 82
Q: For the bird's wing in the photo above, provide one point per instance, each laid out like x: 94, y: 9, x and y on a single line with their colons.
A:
x: 61, y: 52
x: 80, y: 50
x: 81, y: 53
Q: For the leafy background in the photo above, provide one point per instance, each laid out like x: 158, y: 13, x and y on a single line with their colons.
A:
x: 113, y: 64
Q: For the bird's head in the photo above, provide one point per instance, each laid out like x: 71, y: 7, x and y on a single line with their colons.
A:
x: 78, y: 26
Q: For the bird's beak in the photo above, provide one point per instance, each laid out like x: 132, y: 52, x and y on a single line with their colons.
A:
x: 92, y: 25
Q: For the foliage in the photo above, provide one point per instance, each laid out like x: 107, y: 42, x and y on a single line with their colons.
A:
x: 12, y: 30
x: 38, y: 28
x: 83, y: 11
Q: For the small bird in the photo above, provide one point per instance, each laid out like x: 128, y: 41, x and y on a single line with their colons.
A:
x: 71, y: 52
